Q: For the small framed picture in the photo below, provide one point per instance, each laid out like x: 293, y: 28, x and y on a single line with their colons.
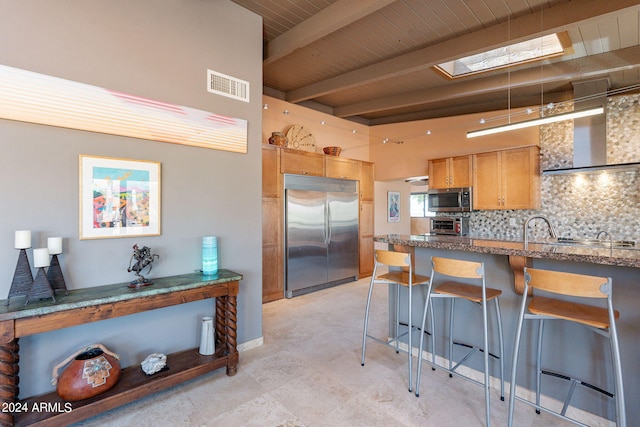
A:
x: 119, y: 197
x: 393, y: 206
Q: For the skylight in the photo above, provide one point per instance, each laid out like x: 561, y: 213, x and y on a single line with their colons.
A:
x: 518, y: 53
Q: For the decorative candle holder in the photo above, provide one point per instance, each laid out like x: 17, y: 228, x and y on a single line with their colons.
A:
x: 54, y: 273
x: 41, y: 288
x: 22, y: 278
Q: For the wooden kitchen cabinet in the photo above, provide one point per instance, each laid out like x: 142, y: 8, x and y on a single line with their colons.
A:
x: 301, y: 162
x: 366, y: 223
x: 270, y: 172
x: 272, y: 250
x: 366, y: 239
x: 277, y: 161
x: 508, y: 179
x: 366, y: 181
x: 336, y: 167
x: 450, y: 172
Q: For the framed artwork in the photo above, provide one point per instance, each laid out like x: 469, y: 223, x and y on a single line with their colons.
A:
x: 393, y: 206
x: 118, y: 197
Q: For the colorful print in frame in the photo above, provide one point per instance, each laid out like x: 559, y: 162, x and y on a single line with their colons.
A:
x: 119, y: 197
x: 393, y: 206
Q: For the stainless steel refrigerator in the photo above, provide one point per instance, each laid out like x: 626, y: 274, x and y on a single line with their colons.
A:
x: 321, y: 233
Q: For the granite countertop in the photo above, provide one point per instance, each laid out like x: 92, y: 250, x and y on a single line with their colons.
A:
x: 105, y: 294
x: 622, y: 257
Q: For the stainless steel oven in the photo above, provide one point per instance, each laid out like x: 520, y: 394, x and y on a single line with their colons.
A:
x: 451, y: 225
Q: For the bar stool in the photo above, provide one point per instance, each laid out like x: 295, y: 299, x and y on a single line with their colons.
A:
x: 598, y: 319
x: 404, y: 277
x: 478, y: 294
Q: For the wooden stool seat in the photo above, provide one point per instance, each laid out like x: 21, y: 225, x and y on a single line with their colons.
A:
x: 597, y: 317
x: 402, y: 277
x: 468, y: 292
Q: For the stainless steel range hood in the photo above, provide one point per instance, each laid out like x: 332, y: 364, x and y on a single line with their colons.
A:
x: 590, y: 133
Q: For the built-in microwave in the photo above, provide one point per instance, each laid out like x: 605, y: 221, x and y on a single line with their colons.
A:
x: 450, y: 199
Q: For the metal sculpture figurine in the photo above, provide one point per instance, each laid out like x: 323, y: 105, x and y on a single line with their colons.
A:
x: 143, y: 259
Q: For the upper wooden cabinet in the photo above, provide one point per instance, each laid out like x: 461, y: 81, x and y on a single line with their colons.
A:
x: 366, y: 181
x: 301, y: 162
x: 508, y: 179
x: 450, y: 172
x: 335, y: 167
x: 270, y: 171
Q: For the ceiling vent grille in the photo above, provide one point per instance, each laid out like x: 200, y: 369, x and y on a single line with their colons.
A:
x: 228, y: 86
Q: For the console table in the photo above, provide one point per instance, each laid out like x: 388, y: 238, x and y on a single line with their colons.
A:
x: 106, y: 302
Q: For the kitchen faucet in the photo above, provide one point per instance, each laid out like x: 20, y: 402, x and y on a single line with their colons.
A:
x: 603, y: 233
x: 552, y: 231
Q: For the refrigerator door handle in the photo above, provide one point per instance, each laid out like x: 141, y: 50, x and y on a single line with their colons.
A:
x: 328, y: 224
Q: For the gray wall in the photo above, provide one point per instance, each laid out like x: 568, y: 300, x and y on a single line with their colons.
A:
x: 158, y: 49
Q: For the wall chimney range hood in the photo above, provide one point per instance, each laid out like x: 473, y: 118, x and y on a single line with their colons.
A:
x: 590, y: 133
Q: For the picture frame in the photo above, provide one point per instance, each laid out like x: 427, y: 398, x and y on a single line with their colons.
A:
x: 393, y: 206
x: 118, y: 197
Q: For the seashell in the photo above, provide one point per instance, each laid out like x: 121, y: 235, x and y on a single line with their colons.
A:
x: 153, y: 363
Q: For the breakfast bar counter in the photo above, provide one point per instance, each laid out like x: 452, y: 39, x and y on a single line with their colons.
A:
x: 622, y: 257
x: 574, y: 351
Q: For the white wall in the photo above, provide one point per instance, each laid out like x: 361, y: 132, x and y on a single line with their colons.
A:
x: 157, y: 49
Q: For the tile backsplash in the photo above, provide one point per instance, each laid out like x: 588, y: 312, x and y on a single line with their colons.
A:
x: 581, y: 205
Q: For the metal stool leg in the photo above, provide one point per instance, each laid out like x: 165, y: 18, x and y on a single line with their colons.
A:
x: 539, y: 363
x: 452, y: 307
x: 486, y: 362
x: 621, y: 417
x: 409, y: 342
x: 501, y: 339
x: 427, y: 307
x: 397, y: 337
x: 514, y: 360
x: 366, y: 321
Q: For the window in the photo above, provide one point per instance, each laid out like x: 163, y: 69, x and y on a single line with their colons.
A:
x: 531, y: 50
x: 419, y: 205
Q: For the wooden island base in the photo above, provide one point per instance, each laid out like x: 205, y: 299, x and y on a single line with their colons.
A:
x: 104, y: 302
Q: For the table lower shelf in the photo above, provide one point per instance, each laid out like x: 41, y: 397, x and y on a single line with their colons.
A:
x: 133, y: 384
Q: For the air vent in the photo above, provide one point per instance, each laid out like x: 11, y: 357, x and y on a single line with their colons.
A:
x: 228, y: 86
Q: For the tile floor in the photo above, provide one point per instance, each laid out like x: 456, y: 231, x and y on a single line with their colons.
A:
x: 308, y: 373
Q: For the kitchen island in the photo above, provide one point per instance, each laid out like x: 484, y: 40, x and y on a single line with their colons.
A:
x: 570, y: 349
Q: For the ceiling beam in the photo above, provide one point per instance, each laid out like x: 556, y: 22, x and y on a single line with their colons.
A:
x: 581, y: 68
x: 555, y: 19
x: 334, y: 17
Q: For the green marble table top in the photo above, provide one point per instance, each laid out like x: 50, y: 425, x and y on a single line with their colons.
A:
x: 105, y: 294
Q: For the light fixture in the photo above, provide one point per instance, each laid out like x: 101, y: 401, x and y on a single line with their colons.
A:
x: 265, y: 107
x: 537, y: 122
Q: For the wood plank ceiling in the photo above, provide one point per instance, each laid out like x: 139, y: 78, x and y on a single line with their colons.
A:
x: 371, y: 60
